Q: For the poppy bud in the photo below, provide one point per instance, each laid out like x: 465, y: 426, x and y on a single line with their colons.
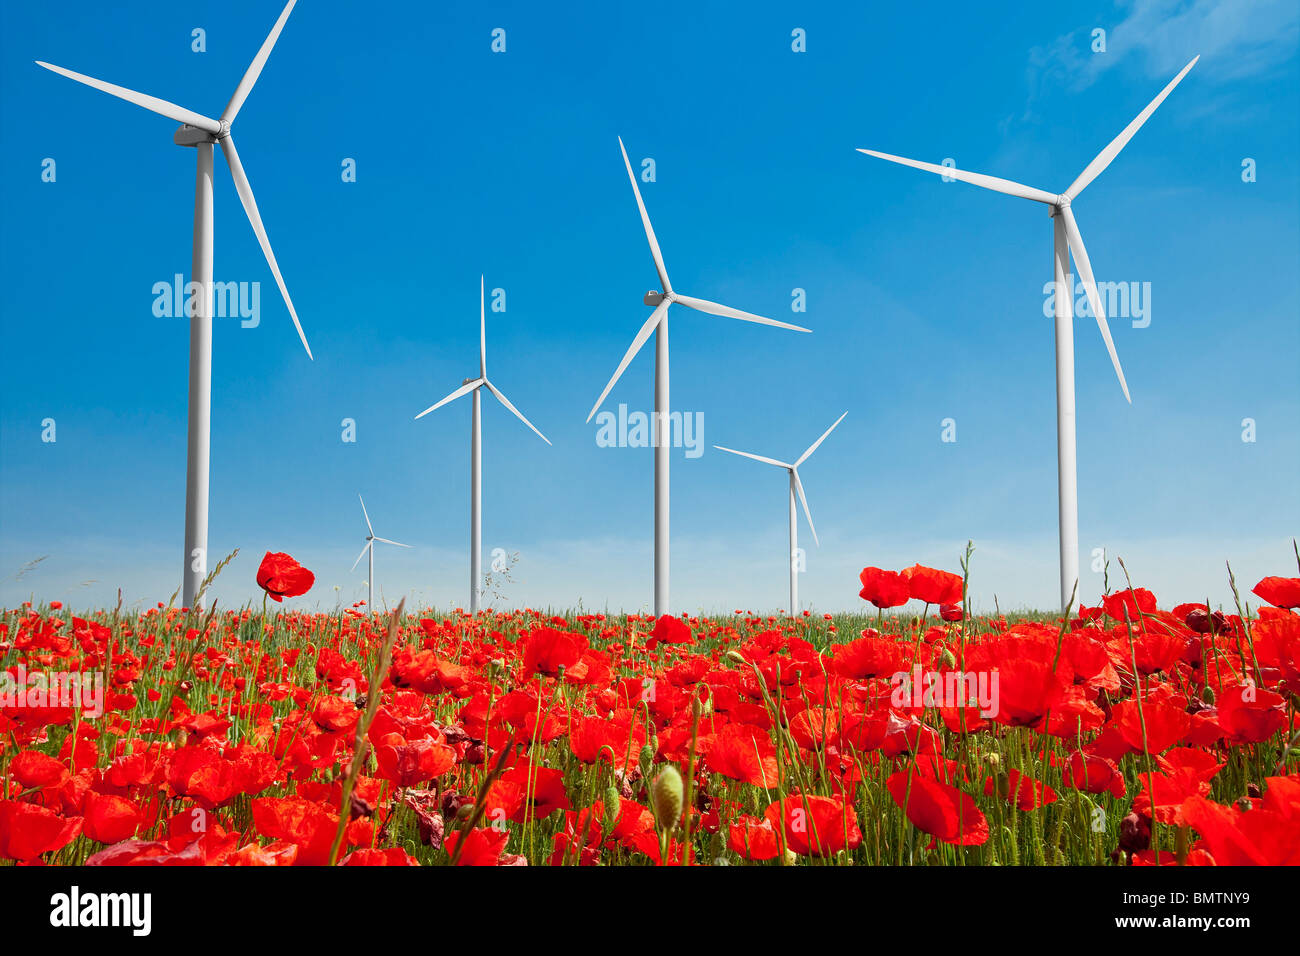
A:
x: 464, y: 811
x: 948, y: 659
x: 613, y: 808
x: 1207, y: 695
x: 666, y: 797
x: 645, y: 761
x: 736, y: 657
x: 993, y: 759
x: 1253, y: 791
x: 1244, y: 804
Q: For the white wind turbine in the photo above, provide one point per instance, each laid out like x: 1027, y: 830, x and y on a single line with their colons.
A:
x: 476, y: 448
x: 661, y: 429
x: 796, y: 488
x: 202, y: 133
x: 369, y: 549
x: 1066, y: 240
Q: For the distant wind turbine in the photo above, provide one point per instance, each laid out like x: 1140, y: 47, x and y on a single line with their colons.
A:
x: 796, y: 488
x: 476, y: 447
x: 203, y: 133
x: 1066, y: 240
x: 658, y: 324
x: 369, y: 549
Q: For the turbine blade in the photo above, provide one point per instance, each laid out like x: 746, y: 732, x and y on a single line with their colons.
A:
x: 361, y: 555
x: 518, y: 414
x: 366, y: 513
x: 813, y: 447
x: 645, y: 221
x: 388, y: 541
x: 650, y: 325
x: 152, y: 103
x: 713, y: 308
x: 1104, y: 158
x: 1090, y: 286
x: 255, y: 68
x: 745, y: 454
x: 250, y: 208
x: 975, y: 179
x: 463, y: 390
x: 798, y: 486
x: 482, y: 333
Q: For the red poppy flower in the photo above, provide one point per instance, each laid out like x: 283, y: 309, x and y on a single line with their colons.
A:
x: 932, y: 585
x: 28, y: 830
x: 1259, y: 837
x: 483, y: 846
x: 1023, y: 792
x: 1093, y: 774
x: 31, y: 768
x: 280, y: 576
x: 1131, y: 603
x: 815, y: 826
x: 868, y: 657
x: 883, y: 588
x: 1165, y: 724
x: 943, y: 811
x: 110, y: 819
x: 744, y: 753
x: 392, y: 856
x: 546, y: 650
x: 407, y: 764
x: 1280, y: 592
x: 753, y: 839
x: 306, y: 824
x: 1250, y: 714
x: 672, y: 630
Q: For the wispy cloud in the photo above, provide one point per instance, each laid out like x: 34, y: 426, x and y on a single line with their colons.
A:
x: 1236, y: 39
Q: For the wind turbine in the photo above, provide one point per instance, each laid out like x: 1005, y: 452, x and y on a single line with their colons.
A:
x: 202, y: 133
x: 472, y: 385
x: 796, y: 487
x: 1065, y: 240
x: 371, y: 538
x: 658, y: 324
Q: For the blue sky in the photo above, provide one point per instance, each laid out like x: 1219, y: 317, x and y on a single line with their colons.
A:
x: 925, y: 298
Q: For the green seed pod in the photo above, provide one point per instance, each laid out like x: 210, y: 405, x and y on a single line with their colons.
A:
x: 666, y: 797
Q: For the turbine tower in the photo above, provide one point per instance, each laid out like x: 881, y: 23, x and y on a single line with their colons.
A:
x: 1065, y: 240
x: 662, y: 427
x: 796, y: 488
x: 371, y: 538
x: 202, y: 133
x: 472, y: 385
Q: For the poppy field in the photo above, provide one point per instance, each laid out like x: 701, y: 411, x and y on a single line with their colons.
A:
x: 1132, y: 733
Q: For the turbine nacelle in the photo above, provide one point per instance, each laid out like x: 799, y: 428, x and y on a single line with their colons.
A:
x: 653, y: 298
x: 187, y: 135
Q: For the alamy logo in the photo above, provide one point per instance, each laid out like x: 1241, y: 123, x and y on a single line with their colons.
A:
x: 1121, y: 300
x: 20, y: 690
x: 921, y: 688
x: 228, y: 300
x: 681, y: 430
x: 74, y: 908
